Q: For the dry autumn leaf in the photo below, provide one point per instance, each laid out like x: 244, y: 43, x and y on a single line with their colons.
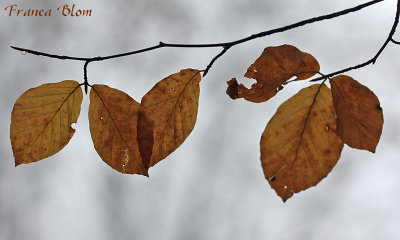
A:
x: 232, y: 89
x: 274, y: 67
x: 299, y: 146
x: 167, y: 115
x: 41, y: 120
x: 359, y: 114
x: 113, y: 118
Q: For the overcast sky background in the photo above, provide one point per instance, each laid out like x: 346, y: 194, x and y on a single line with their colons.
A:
x: 213, y: 186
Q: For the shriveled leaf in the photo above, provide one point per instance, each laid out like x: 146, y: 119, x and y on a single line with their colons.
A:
x: 299, y: 146
x: 274, y: 67
x: 359, y: 114
x: 167, y: 115
x: 113, y: 118
x: 41, y: 120
x: 232, y: 89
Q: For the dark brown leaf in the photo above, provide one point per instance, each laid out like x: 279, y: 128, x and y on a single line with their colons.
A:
x: 274, y: 67
x: 359, y: 114
x: 232, y: 89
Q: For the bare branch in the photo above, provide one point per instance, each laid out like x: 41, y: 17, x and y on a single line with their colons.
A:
x: 215, y: 59
x: 395, y: 42
x: 372, y: 60
x: 225, y: 45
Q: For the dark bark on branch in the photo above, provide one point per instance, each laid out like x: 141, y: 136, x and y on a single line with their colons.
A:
x: 395, y: 42
x: 226, y: 45
x: 372, y: 60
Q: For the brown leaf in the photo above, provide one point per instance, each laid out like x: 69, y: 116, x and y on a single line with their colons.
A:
x: 299, y: 146
x: 113, y: 118
x: 167, y: 115
x: 41, y: 120
x: 232, y: 89
x: 274, y: 67
x: 359, y: 114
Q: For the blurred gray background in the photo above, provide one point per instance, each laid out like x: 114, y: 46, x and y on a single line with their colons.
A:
x: 212, y: 187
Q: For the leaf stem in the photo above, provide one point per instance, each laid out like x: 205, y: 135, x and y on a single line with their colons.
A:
x: 85, y: 83
x: 226, y: 48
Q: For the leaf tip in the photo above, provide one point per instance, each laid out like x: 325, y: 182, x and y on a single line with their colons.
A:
x: 372, y: 149
x: 285, y: 195
x: 19, y: 160
x: 143, y: 172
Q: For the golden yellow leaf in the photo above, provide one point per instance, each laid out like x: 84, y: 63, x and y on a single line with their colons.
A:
x: 167, y: 115
x: 274, y: 67
x: 299, y: 146
x: 113, y: 118
x: 359, y: 114
x: 41, y: 120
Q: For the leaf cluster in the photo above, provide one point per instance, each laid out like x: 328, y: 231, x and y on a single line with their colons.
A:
x: 304, y: 139
x: 299, y: 146
x: 129, y: 136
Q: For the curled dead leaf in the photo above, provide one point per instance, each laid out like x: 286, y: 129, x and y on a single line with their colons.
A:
x: 167, y: 115
x: 41, y: 120
x: 299, y: 146
x: 232, y: 89
x: 274, y: 67
x: 113, y: 118
x: 359, y: 114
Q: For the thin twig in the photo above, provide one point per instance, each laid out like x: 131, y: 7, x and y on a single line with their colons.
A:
x: 225, y: 45
x: 86, y: 82
x: 372, y: 60
x: 215, y: 59
x: 395, y: 42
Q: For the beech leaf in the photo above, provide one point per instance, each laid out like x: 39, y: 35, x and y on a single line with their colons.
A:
x: 232, y: 89
x: 167, y: 115
x: 113, y: 118
x: 299, y: 146
x: 41, y: 120
x: 273, y: 68
x: 359, y: 114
